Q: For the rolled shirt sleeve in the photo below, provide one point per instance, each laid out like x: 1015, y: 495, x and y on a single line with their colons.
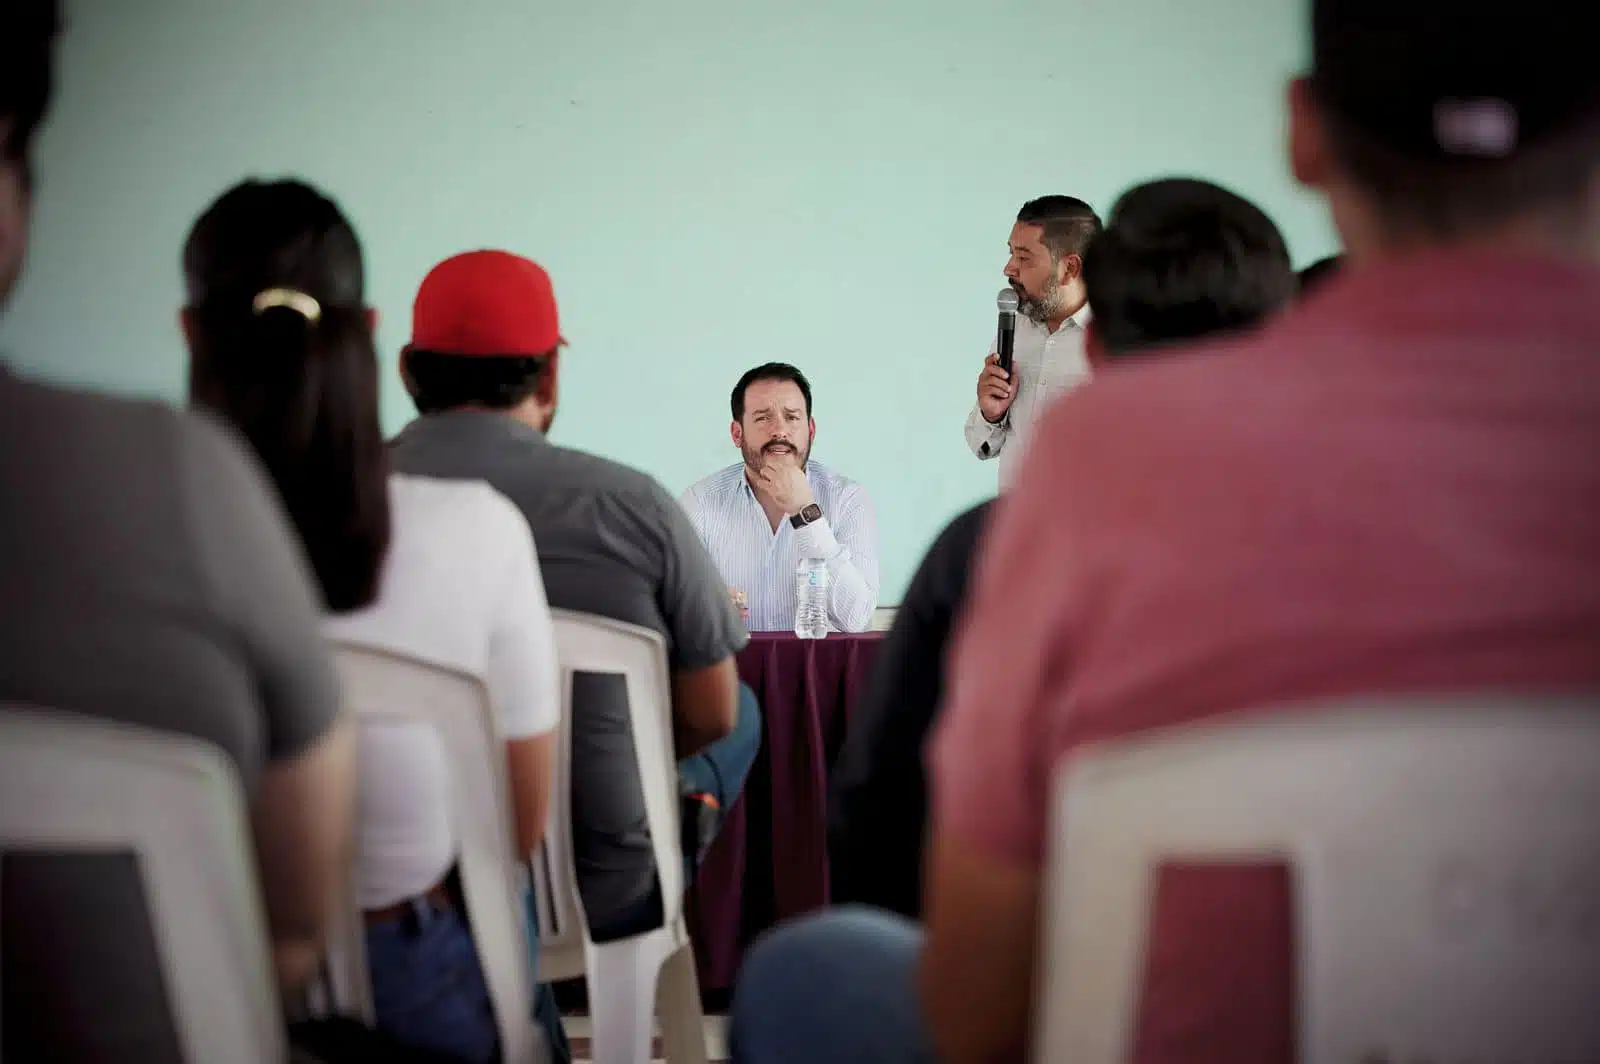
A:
x: 985, y: 438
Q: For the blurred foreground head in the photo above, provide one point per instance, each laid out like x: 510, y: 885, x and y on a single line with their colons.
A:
x: 1442, y: 122
x: 1182, y: 259
x: 28, y: 30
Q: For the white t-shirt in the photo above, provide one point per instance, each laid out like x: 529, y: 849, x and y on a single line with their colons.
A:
x: 461, y: 588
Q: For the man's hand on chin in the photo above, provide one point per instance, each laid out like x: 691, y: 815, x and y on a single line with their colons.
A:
x: 785, y: 482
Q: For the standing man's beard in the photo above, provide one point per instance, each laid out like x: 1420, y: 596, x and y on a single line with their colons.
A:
x: 1040, y: 311
x: 754, y: 458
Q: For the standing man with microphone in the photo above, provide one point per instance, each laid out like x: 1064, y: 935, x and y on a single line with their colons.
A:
x: 1042, y: 323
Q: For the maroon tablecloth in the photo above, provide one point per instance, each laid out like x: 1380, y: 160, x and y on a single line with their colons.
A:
x: 770, y: 861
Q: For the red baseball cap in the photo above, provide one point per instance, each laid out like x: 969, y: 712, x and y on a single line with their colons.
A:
x: 486, y: 303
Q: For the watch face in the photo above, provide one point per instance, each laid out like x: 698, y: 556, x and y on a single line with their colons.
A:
x: 811, y: 513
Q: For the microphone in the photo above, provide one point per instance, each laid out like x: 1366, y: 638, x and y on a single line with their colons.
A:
x: 1006, y: 337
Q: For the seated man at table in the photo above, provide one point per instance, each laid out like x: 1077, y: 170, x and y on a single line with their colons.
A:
x: 482, y: 367
x: 1178, y: 260
x: 763, y: 515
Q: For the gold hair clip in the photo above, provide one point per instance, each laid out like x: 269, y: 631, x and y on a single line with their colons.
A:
x: 296, y: 301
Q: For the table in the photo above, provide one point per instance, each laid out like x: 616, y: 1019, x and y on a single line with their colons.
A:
x: 770, y: 860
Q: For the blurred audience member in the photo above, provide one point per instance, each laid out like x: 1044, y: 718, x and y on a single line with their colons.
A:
x: 150, y: 578
x: 760, y: 517
x: 1389, y: 488
x: 483, y: 367
x: 1320, y: 272
x: 877, y: 810
x: 1179, y: 260
x: 282, y: 344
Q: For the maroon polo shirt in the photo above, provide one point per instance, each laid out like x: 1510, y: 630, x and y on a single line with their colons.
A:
x: 1394, y: 487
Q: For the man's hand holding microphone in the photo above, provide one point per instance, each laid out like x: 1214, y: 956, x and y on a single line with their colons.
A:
x: 996, y: 389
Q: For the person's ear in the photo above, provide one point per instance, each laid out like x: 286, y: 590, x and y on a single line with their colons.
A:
x: 187, y: 325
x: 1071, y: 269
x: 405, y: 374
x: 372, y: 320
x: 812, y: 423
x: 549, y: 380
x: 1309, y: 154
x: 737, y: 432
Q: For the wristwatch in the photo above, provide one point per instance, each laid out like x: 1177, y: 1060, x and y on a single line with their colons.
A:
x: 811, y: 513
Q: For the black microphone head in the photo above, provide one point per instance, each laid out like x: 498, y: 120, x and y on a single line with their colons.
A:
x: 1007, y: 300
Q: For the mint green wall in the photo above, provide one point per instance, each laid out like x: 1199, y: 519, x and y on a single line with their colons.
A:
x: 712, y: 183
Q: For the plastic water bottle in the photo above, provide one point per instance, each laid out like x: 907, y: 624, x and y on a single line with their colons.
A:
x: 811, y: 582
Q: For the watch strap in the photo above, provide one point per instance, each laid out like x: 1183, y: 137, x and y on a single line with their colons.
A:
x: 808, y: 515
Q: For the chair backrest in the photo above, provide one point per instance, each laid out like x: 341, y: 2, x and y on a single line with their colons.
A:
x: 1445, y: 856
x: 381, y: 686
x: 73, y: 783
x: 587, y: 643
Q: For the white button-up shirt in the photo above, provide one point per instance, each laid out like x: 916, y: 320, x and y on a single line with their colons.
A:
x: 1045, y: 365
x: 760, y: 561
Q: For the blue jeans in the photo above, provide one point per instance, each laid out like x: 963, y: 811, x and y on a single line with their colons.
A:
x: 837, y: 987
x: 428, y: 988
x: 427, y: 985
x: 719, y: 770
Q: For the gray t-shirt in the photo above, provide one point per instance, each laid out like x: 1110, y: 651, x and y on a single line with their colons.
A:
x: 611, y: 542
x: 147, y: 576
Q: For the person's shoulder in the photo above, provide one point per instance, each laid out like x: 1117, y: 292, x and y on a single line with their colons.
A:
x: 964, y: 528
x: 476, y: 496
x: 837, y: 481
x: 473, y: 508
x: 73, y: 413
x: 632, y: 493
x: 603, y: 475
x: 943, y: 571
x: 723, y: 482
x: 1152, y: 398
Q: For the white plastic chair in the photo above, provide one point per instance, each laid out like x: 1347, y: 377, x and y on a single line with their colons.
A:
x: 623, y: 976
x: 74, y: 783
x: 380, y: 686
x: 1445, y: 856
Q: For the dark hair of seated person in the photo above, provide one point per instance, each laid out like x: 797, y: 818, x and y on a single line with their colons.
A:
x: 301, y: 384
x: 1320, y: 273
x: 439, y: 381
x: 1182, y: 259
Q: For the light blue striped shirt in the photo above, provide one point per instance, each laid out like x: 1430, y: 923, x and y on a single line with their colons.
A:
x: 761, y: 562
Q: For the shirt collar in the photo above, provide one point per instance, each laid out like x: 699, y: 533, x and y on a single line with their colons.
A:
x: 483, y: 422
x: 1080, y: 320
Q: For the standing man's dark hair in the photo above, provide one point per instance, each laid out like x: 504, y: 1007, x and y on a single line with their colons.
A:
x: 28, y: 30
x: 281, y: 344
x: 769, y: 371
x: 1181, y: 259
x: 1069, y: 224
